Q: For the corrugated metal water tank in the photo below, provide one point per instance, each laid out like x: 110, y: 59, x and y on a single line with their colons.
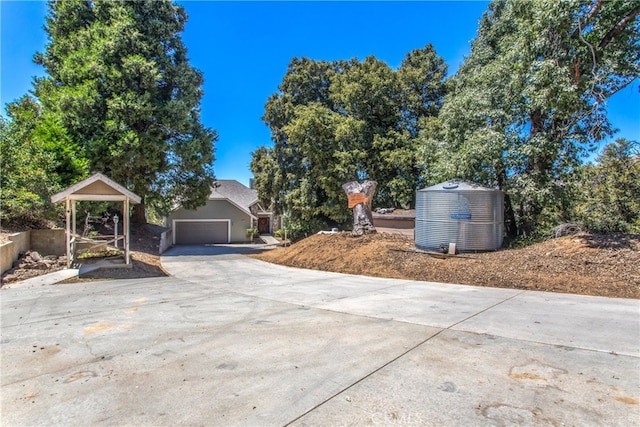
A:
x: 464, y: 213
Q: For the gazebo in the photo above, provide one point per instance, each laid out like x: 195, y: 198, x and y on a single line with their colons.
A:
x: 96, y: 188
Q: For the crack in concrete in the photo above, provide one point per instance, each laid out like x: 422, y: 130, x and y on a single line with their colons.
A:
x: 400, y: 356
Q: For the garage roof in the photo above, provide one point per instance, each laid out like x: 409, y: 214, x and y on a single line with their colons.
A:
x: 235, y: 192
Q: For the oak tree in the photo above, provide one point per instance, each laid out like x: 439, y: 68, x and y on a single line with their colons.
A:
x: 530, y: 100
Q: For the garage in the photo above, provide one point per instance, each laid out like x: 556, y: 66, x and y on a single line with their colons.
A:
x: 224, y: 218
x: 200, y: 232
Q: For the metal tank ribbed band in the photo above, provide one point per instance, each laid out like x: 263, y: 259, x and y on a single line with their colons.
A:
x: 472, y: 218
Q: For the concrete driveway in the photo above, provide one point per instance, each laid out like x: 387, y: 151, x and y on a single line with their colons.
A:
x: 234, y: 341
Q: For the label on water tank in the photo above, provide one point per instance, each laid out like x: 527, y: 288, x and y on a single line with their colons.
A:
x: 461, y: 215
x: 461, y: 209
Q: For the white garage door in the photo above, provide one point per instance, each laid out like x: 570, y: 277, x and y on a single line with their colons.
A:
x: 201, y: 232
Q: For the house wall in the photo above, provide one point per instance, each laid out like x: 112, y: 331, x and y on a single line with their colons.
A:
x: 217, y: 209
x: 276, y: 223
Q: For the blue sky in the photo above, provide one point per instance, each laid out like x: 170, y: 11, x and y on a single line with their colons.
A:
x: 243, y: 49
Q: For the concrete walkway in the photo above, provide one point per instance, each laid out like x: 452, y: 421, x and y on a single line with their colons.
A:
x: 234, y: 341
x: 67, y: 273
x: 46, y: 279
x: 269, y: 239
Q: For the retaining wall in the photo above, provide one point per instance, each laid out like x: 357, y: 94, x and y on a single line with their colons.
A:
x: 45, y: 242
x: 10, y: 251
x: 166, y: 240
x: 49, y: 242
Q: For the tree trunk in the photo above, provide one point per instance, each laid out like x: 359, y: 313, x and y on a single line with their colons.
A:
x: 510, y: 217
x: 531, y: 209
x: 360, y: 196
x: 509, y: 214
x: 139, y: 214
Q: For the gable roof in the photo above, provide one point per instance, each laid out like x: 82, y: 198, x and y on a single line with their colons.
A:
x: 97, y: 188
x: 236, y: 193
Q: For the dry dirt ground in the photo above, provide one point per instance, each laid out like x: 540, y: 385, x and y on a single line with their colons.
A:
x: 588, y: 264
x: 144, y: 249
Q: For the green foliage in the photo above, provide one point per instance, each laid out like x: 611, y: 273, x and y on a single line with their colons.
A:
x: 299, y: 229
x: 105, y: 253
x: 268, y: 179
x: 25, y: 183
x: 334, y: 122
x: 252, y: 233
x: 319, y: 192
x: 294, y: 230
x: 529, y: 101
x: 38, y: 124
x: 610, y: 190
x: 120, y: 87
x: 37, y: 160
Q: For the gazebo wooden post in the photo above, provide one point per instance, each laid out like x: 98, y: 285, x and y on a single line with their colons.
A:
x: 74, y: 228
x: 126, y: 230
x: 67, y: 215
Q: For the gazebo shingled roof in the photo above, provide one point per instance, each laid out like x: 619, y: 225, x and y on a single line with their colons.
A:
x: 96, y: 188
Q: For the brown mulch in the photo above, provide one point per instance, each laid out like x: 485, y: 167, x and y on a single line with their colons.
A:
x: 588, y: 264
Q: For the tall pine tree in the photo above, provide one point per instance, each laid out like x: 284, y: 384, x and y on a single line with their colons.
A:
x: 120, y: 80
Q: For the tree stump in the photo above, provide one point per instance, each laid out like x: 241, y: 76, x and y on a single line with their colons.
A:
x: 360, y: 196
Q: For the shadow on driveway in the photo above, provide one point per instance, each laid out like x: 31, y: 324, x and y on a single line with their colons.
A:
x: 216, y: 249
